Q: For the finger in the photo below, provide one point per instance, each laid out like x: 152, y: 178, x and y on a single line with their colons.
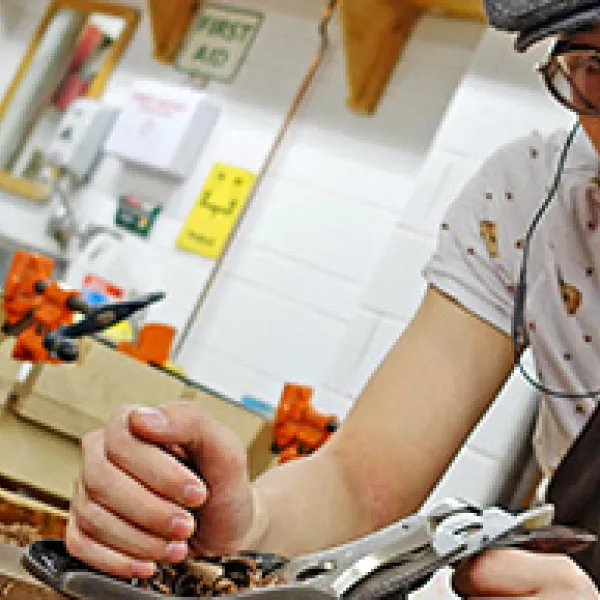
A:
x: 217, y: 452
x: 103, y: 558
x: 127, y: 498
x: 105, y: 528
x: 151, y: 465
x: 513, y: 573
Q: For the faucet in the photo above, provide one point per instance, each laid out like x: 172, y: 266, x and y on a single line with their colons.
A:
x: 63, y: 226
x: 91, y: 230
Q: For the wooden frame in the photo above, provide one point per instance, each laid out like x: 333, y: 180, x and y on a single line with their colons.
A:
x: 31, y: 189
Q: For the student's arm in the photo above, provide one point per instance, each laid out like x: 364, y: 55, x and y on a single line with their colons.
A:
x: 130, y: 504
x: 411, y: 419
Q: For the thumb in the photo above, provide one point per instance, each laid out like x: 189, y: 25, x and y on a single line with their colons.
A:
x: 520, y: 574
x: 213, y: 449
x: 502, y: 573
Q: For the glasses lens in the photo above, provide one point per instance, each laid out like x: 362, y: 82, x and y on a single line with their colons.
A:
x: 574, y: 77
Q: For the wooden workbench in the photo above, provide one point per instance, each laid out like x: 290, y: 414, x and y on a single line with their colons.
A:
x: 37, y: 460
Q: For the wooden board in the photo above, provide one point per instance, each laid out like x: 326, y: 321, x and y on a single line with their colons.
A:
x: 75, y: 399
x: 36, y: 459
x: 16, y: 583
x: 45, y: 464
x: 50, y: 522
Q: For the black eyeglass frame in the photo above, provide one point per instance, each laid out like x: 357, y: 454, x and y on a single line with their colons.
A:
x: 549, y: 68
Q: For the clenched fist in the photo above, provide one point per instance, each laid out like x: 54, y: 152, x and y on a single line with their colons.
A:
x: 135, y: 503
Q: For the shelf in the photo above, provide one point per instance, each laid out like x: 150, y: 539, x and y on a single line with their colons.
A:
x: 374, y: 32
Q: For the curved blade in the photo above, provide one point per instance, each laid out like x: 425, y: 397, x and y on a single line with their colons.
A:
x: 104, y: 317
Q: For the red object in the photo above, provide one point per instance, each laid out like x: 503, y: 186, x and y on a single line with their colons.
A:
x: 153, y: 345
x: 103, y: 286
x: 298, y: 429
x: 73, y: 87
x: 90, y: 40
x: 76, y: 83
x: 35, y: 305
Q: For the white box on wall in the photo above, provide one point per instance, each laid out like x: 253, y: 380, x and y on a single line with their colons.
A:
x: 80, y: 136
x: 163, y: 127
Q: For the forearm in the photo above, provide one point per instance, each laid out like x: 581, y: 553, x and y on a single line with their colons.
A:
x: 401, y: 435
x: 306, y: 505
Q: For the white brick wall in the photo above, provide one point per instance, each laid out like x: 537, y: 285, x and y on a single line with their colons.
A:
x: 314, y: 238
x: 317, y: 233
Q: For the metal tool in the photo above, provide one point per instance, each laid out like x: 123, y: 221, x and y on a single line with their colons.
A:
x: 39, y: 312
x: 62, y: 343
x: 390, y: 563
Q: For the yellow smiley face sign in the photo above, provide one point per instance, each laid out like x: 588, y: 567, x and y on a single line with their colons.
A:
x: 216, y: 211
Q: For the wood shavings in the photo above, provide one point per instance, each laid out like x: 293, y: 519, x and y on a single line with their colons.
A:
x: 18, y: 534
x: 210, y: 577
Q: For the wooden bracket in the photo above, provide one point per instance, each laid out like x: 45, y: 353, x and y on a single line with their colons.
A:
x: 170, y: 21
x: 375, y: 32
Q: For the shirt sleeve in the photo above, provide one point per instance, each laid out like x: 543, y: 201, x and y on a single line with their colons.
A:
x: 479, y: 248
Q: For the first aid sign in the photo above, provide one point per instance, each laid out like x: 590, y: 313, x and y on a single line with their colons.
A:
x: 219, y: 42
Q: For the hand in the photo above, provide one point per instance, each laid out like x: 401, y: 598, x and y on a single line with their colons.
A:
x: 523, y: 575
x: 132, y: 500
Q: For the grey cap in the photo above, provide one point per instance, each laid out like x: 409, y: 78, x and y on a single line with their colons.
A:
x: 534, y: 20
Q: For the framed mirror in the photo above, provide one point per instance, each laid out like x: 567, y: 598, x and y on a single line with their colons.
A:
x: 72, y: 54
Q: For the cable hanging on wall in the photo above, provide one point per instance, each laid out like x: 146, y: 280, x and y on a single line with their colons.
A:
x: 291, y: 114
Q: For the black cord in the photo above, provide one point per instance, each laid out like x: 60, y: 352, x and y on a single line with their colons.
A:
x: 519, y: 334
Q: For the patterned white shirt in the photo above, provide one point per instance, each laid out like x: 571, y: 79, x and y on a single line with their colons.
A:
x: 478, y: 260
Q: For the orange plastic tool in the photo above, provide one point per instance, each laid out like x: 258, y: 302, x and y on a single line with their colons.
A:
x: 153, y: 345
x: 35, y: 305
x: 299, y: 429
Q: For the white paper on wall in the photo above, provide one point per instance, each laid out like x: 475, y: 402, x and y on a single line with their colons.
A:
x: 163, y: 126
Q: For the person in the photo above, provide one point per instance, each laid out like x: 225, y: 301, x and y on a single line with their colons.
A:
x: 135, y: 503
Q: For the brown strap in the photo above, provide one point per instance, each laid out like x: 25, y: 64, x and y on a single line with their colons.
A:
x: 576, y: 482
x: 575, y: 490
